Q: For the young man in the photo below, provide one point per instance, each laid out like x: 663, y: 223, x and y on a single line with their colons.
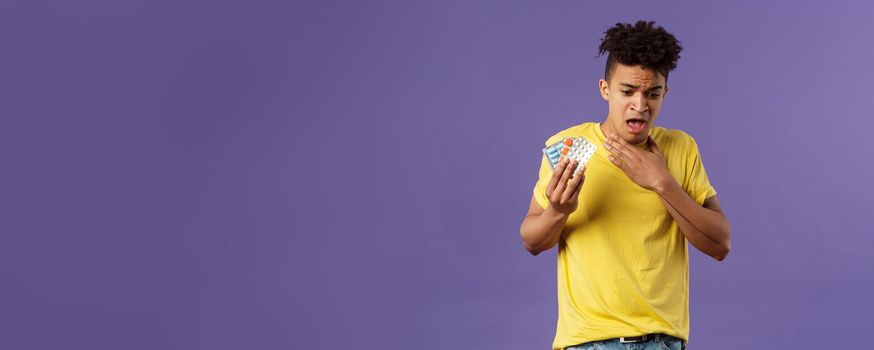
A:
x: 622, y: 222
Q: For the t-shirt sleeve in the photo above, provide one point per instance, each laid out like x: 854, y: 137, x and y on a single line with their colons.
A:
x: 698, y: 185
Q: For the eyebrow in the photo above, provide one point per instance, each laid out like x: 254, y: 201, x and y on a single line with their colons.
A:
x: 638, y: 86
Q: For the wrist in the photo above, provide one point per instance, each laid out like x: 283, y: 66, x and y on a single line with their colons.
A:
x: 666, y: 184
x: 553, y: 214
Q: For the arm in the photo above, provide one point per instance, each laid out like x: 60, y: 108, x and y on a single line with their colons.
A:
x: 541, y: 228
x: 704, y: 226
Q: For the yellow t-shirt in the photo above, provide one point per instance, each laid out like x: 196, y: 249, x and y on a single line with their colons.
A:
x: 623, y: 265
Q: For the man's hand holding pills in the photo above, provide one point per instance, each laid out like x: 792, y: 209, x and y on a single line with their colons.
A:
x: 564, y: 186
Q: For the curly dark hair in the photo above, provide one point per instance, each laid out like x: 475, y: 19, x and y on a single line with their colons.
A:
x: 642, y: 44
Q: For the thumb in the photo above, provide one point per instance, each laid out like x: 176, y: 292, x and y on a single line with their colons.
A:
x: 655, y: 147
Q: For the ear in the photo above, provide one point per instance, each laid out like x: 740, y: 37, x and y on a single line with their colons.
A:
x: 666, y: 91
x: 605, y: 89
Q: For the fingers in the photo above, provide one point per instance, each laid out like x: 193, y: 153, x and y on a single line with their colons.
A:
x: 575, y: 185
x: 619, y: 163
x: 619, y: 140
x: 617, y: 156
x: 562, y: 181
x: 619, y: 149
x: 556, y: 173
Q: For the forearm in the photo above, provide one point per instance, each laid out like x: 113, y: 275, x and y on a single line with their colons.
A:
x: 541, y: 232
x: 708, y: 230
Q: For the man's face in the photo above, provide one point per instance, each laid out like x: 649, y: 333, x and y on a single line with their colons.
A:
x: 634, y: 96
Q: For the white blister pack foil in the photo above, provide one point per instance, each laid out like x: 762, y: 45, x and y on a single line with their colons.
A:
x: 577, y: 148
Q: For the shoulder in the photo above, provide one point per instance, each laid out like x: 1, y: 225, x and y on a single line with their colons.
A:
x: 585, y: 129
x: 674, y: 140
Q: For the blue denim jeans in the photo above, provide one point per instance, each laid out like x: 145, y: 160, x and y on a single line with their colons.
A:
x: 662, y: 342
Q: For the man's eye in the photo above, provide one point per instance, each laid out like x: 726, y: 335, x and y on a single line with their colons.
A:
x: 653, y: 95
x: 627, y: 92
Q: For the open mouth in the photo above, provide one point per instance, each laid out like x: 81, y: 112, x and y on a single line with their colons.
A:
x: 635, y: 125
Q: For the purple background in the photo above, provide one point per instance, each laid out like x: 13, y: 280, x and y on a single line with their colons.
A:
x: 311, y: 175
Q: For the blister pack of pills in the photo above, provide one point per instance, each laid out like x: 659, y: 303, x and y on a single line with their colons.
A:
x: 577, y: 148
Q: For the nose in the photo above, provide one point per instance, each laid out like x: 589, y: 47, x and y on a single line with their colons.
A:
x: 638, y: 103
